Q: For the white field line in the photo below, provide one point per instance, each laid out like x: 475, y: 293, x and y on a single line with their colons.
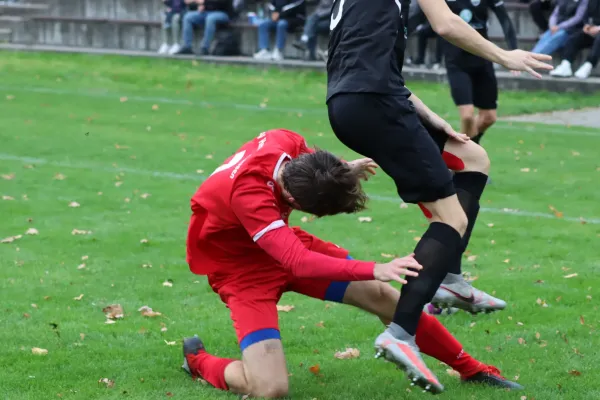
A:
x: 199, y: 178
x: 523, y: 127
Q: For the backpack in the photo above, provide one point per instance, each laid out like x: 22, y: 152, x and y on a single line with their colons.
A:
x: 227, y: 43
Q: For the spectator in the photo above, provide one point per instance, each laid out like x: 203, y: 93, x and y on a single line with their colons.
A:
x: 539, y: 10
x: 425, y: 32
x: 286, y: 15
x: 566, y: 18
x: 173, y: 14
x: 589, y: 36
x: 209, y: 13
x: 315, y: 23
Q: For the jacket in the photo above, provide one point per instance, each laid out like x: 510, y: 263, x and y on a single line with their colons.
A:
x: 176, y: 6
x: 593, y: 13
x: 289, y: 9
x: 568, y: 14
x: 324, y: 8
x: 219, y: 5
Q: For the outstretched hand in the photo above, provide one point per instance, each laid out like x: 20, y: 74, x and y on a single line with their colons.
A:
x: 520, y: 60
x: 396, y: 269
x: 364, y: 166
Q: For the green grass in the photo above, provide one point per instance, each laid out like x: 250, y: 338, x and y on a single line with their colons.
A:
x: 63, y: 115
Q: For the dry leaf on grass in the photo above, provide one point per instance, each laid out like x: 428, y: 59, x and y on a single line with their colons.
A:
x: 38, y: 351
x: 7, y: 198
x: 315, y: 369
x: 557, y: 213
x: 199, y: 171
x: 8, y: 177
x: 385, y: 255
x: 148, y: 312
x: 168, y: 283
x: 581, y: 320
x: 144, y: 241
x: 155, y: 107
x: 347, y: 354
x: 163, y: 327
x: 365, y: 219
x: 574, y: 372
x: 109, y: 322
x: 60, y: 177
x: 78, y: 297
x: 32, y: 231
x: 525, y: 170
x: 11, y: 239
x: 123, y: 99
x: 173, y: 343
x: 321, y: 324
x: 403, y: 205
x: 74, y: 204
x: 81, y: 266
x: 80, y: 232
x: 107, y: 382
x: 145, y: 195
x: 570, y: 276
x: 453, y: 373
x: 285, y: 308
x: 471, y: 258
x: 114, y: 311
x: 521, y: 341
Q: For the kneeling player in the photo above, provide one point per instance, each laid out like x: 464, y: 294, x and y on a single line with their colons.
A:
x: 239, y: 237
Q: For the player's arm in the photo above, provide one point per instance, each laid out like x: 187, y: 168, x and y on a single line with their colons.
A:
x: 506, y: 23
x: 577, y: 18
x: 434, y: 121
x: 452, y: 28
x: 255, y: 206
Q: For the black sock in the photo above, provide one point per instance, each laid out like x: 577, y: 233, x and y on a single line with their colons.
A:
x: 469, y: 187
x: 439, y: 244
x: 477, y: 138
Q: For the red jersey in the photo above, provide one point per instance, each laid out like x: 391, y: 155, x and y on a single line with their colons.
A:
x: 241, y: 202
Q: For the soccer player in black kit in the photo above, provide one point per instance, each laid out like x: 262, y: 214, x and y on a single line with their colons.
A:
x: 473, y: 79
x: 373, y: 113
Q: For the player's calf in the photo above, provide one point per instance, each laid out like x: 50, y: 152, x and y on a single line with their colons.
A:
x: 468, y: 120
x: 485, y: 119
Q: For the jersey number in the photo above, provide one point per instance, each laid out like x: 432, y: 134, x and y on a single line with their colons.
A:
x: 234, y: 160
x: 336, y: 17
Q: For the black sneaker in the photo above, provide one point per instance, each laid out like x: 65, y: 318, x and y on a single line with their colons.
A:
x: 191, y: 346
x: 185, y: 50
x: 491, y: 376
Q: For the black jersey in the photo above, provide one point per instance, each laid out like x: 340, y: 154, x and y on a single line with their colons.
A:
x: 475, y: 13
x: 367, y: 41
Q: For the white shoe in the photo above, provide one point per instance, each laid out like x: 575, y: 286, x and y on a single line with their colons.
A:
x: 456, y: 292
x: 563, y: 70
x: 163, y: 49
x: 277, y: 55
x: 584, y: 71
x: 174, y: 49
x: 264, y: 54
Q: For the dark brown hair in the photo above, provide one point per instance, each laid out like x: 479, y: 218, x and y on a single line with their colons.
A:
x: 322, y: 184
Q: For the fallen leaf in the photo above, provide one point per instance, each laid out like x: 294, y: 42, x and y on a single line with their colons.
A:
x: 82, y: 336
x: 321, y: 324
x: 31, y: 231
x: 285, y: 308
x: 168, y: 283
x: 59, y: 177
x: 10, y: 97
x: 385, y: 255
x: 472, y: 324
x: 163, y: 327
x: 169, y: 394
x: 123, y: 99
x: 11, y: 239
x: 173, y: 343
x: 209, y: 156
x: 74, y: 204
x: 199, y: 171
x: 80, y: 232
x: 557, y: 213
x: 570, y: 276
x: 34, y: 305
x: 38, y: 351
x: 575, y: 153
x: 81, y: 266
x: 315, y: 369
x: 304, y: 219
x: 7, y: 198
x: 145, y: 195
x: 403, y: 205
x: 78, y: 297
x: 538, y: 336
x: 574, y: 372
x: 365, y: 219
x: 26, y: 315
x: 471, y: 258
x: 155, y: 107
x: 148, y: 312
x: 523, y: 397
x: 346, y: 354
x: 524, y: 169
x: 109, y: 321
x: 490, y: 225
x: 507, y: 261
x: 109, y: 384
x: 581, y: 320
x: 521, y: 340
x: 8, y: 177
x: 119, y: 183
x: 144, y: 241
x: 114, y: 311
x: 146, y: 265
x: 453, y: 373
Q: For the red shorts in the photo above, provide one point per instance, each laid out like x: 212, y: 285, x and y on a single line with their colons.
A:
x: 252, y: 294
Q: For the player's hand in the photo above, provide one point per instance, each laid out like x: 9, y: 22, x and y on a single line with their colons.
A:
x: 275, y: 16
x: 515, y: 73
x: 445, y: 127
x: 554, y: 29
x: 396, y: 269
x: 364, y: 166
x: 519, y: 60
x: 594, y: 30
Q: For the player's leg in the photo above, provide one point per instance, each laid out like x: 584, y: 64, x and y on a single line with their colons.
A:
x: 262, y: 371
x: 387, y: 129
x: 432, y: 337
x: 461, y: 89
x: 485, y: 98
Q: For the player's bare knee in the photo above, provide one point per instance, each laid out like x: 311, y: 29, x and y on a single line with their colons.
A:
x: 487, y: 119
x: 478, y: 159
x: 270, y: 390
x: 450, y: 214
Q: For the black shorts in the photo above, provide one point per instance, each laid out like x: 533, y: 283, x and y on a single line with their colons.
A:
x: 388, y: 130
x: 475, y: 85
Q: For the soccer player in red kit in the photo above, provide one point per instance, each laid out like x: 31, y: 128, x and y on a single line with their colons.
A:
x: 239, y: 237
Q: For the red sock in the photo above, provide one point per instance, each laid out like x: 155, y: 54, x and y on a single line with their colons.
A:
x: 434, y: 340
x: 210, y: 368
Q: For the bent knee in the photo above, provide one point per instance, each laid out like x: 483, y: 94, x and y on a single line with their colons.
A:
x: 453, y: 216
x: 487, y: 119
x: 478, y: 160
x: 464, y: 157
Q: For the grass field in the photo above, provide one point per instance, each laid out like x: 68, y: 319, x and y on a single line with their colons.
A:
x: 130, y: 140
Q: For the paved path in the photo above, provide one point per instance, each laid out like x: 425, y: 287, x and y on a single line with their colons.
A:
x: 589, y: 117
